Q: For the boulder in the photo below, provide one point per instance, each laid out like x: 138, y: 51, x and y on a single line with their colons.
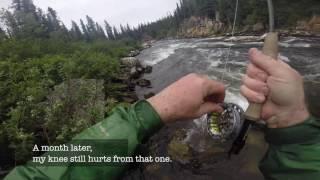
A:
x: 146, y: 45
x: 149, y: 95
x: 148, y: 69
x: 130, y: 61
x: 140, y: 69
x: 302, y: 25
x: 129, y: 97
x: 144, y: 83
x: 134, y: 73
x: 314, y: 24
x: 316, y: 28
x: 134, y: 53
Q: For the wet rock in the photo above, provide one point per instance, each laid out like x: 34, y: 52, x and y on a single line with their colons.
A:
x: 129, y: 97
x: 140, y: 69
x: 134, y: 74
x: 144, y: 83
x: 131, y: 86
x: 148, y: 69
x: 130, y: 61
x: 146, y: 45
x: 179, y: 151
x: 300, y: 33
x: 149, y: 95
x: 153, y: 168
x: 134, y: 53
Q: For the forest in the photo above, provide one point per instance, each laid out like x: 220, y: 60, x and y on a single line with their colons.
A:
x: 38, y: 52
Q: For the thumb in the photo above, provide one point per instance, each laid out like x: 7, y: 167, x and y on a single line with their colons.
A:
x: 264, y: 62
x: 209, y: 107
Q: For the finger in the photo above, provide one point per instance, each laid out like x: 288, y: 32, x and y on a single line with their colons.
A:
x: 209, y: 107
x: 269, y: 109
x: 251, y: 95
x: 266, y: 63
x: 272, y: 122
x: 255, y: 85
x: 256, y: 73
x: 215, y: 91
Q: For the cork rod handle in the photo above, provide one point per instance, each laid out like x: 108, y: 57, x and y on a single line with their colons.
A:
x: 270, y: 48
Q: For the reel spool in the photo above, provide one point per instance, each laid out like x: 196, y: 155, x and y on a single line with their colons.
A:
x: 226, y: 125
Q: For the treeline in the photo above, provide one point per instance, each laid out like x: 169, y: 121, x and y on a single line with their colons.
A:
x: 250, y: 12
x: 26, y: 20
x: 36, y: 23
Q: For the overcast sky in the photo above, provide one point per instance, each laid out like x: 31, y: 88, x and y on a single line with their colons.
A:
x: 114, y: 11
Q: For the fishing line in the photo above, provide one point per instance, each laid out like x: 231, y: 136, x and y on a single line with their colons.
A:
x: 232, y: 37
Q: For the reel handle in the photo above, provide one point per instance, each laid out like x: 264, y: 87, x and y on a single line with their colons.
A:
x: 270, y: 48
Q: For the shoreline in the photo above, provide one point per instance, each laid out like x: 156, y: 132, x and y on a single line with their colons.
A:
x: 282, y: 33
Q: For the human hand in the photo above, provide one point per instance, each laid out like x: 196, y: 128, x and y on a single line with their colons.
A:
x: 279, y: 87
x: 188, y: 98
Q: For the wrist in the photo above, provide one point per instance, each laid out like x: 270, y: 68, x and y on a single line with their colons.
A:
x: 299, y: 115
x: 305, y: 132
x: 162, y: 109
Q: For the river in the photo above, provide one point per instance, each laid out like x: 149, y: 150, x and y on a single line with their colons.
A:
x: 193, y: 154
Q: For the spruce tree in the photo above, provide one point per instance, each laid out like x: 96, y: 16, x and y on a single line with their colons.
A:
x: 84, y: 30
x: 75, y: 31
x: 109, y: 31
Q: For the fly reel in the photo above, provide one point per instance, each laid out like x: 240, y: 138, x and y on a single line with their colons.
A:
x: 226, y: 125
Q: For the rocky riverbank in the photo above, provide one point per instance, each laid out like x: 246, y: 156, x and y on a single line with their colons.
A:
x: 131, y: 72
x: 197, y: 27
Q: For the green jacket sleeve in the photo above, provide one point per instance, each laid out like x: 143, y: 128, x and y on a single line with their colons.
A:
x: 294, y: 153
x: 132, y: 124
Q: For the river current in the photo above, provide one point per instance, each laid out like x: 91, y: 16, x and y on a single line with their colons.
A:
x: 224, y: 59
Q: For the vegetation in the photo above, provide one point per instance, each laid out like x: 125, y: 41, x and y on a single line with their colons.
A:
x: 38, y: 53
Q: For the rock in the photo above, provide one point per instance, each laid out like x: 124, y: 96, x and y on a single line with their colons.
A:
x: 179, y: 151
x: 134, y: 53
x: 152, y: 168
x: 314, y: 24
x: 149, y: 95
x: 302, y: 25
x: 130, y: 61
x: 129, y: 99
x: 316, y: 28
x: 137, y: 71
x: 148, y: 69
x: 131, y: 86
x: 144, y: 83
x: 146, y: 45
x: 140, y: 69
x: 258, y: 27
x: 134, y: 73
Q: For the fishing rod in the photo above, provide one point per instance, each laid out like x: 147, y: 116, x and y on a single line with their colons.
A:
x: 253, y: 113
x: 233, y: 123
